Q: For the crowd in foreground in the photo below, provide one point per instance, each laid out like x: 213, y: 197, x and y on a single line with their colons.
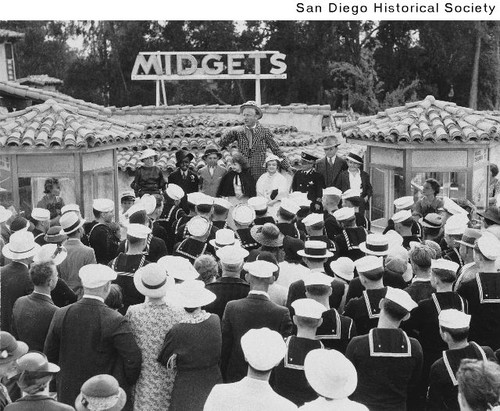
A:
x: 278, y: 302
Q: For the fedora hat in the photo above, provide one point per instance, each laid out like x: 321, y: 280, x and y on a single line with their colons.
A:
x: 355, y: 158
x: 21, y: 245
x: 5, y: 214
x: 315, y: 249
x: 492, y: 214
x: 148, y: 153
x: 375, y: 244
x: 431, y: 220
x: 70, y: 222
x: 50, y: 252
x: 10, y: 348
x: 101, y: 392
x: 469, y: 237
x: 211, y: 150
x: 153, y: 281
x: 267, y: 235
x: 55, y: 235
x: 193, y: 294
x: 180, y: 155
x: 252, y: 104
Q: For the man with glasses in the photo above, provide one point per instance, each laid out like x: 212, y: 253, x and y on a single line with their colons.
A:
x: 331, y: 165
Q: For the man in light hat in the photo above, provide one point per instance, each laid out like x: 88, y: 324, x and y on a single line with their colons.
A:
x: 220, y: 213
x: 196, y: 244
x: 285, y: 218
x: 259, y: 204
x: 40, y: 217
x: 314, y: 225
x: 229, y: 286
x: 243, y: 217
x: 289, y: 379
x: 388, y: 362
x: 356, y: 178
x: 253, y: 139
x: 454, y: 229
x: 171, y: 213
x: 401, y: 204
x: 254, y: 311
x: 351, y: 236
x: 262, y: 349
x: 99, y: 233
x: 15, y: 280
x: 403, y: 223
x: 483, y: 294
x: 88, y: 338
x: 331, y: 201
x: 352, y: 198
x: 331, y: 165
x: 431, y: 227
x: 308, y: 180
x: 470, y: 269
x: 203, y: 206
x: 443, y: 386
x: 211, y: 174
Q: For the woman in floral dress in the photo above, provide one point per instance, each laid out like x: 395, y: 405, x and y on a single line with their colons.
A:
x: 150, y: 321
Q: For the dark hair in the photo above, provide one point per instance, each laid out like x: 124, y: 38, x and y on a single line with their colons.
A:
x: 207, y: 267
x: 139, y: 217
x: 242, y: 161
x: 434, y: 185
x: 190, y: 310
x: 435, y: 248
x: 49, y: 185
x: 97, y: 214
x: 318, y: 290
x: 407, y: 223
x: 278, y: 163
x: 285, y: 215
x: 446, y: 276
x: 479, y: 383
x: 306, y: 321
x: 456, y: 334
x: 219, y: 210
x: 41, y: 273
x: 393, y: 310
x: 421, y: 255
x: 494, y: 170
x: 291, y: 246
x: 203, y: 208
x: 134, y: 240
x: 114, y: 299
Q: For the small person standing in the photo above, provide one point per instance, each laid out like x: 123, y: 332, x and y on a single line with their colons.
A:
x: 308, y: 180
x: 149, y: 178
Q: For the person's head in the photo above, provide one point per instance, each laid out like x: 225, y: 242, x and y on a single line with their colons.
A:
x: 137, y: 235
x: 260, y: 274
x: 239, y: 163
x: 184, y: 163
x: 354, y: 162
x: 421, y: 258
x: 396, y: 305
x: 486, y: 250
x: 98, y: 390
x: 403, y: 221
x: 40, y: 217
x: 250, y: 116
x: 271, y: 258
x: 11, y: 350
x: 44, y: 274
x: 291, y: 246
x: 478, y: 385
x: 345, y: 217
x: 331, y: 198
x: 263, y: 350
x: 466, y: 244
x: 103, y: 209
x: 435, y: 249
x: 272, y: 164
x: 127, y: 200
x: 318, y: 286
x: 330, y: 145
x: 307, y: 160
x: 114, y: 300
x: 21, y: 247
x: 454, y: 326
x: 307, y: 314
x: 35, y: 372
x: 52, y: 186
x: 206, y: 265
x: 192, y: 295
x: 431, y: 187
x: 370, y: 269
x: 444, y: 272
x: 96, y: 279
x: 493, y: 170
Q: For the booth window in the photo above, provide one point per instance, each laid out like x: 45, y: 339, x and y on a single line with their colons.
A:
x: 6, y: 190
x: 453, y: 183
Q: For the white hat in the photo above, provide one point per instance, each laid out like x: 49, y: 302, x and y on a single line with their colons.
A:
x: 96, y: 275
x: 447, y: 265
x: 260, y: 268
x: 50, y: 252
x: 222, y: 202
x: 174, y: 191
x: 317, y: 278
x: 223, y: 237
x: 332, y: 191
x: 21, y: 245
x: 149, y: 202
x: 258, y: 203
x: 369, y: 264
x: 313, y: 219
x: 315, y: 249
x: 453, y: 208
x: 289, y: 206
x: 40, y: 214
x: 138, y: 206
x: 271, y: 157
x: 127, y: 194
x: 70, y: 222
x: 330, y: 373
x: 4, y: 214
x: 263, y: 348
x: 401, y: 215
x: 178, y: 267
x: 202, y: 199
x: 300, y: 199
x: 401, y: 298
x: 232, y: 254
x: 394, y: 238
x: 343, y: 267
x: 70, y: 207
x: 153, y: 281
x: 104, y: 205
x: 375, y: 244
x: 195, y: 197
x: 243, y: 214
x: 307, y: 307
x: 344, y: 214
x: 198, y: 226
x: 453, y: 319
x: 148, y: 153
x: 403, y: 203
x: 193, y: 294
x: 350, y: 193
x: 138, y: 231
x: 489, y: 245
x: 456, y: 224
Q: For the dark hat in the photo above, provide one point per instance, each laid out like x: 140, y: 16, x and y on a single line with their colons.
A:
x: 10, y: 348
x: 431, y: 220
x: 309, y: 157
x: 267, y: 235
x: 211, y: 150
x: 20, y: 223
x: 492, y: 214
x: 36, y: 364
x: 354, y: 158
x: 54, y: 235
x: 469, y: 237
x: 101, y: 390
x: 252, y: 104
x: 181, y: 155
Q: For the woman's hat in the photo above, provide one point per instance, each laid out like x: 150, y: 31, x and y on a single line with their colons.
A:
x: 211, y: 150
x: 4, y: 214
x: 343, y: 267
x: 491, y: 213
x: 252, y: 104
x: 291, y: 246
x: 180, y: 155
x: 272, y: 157
x: 101, y: 392
x: 330, y: 373
x: 70, y: 222
x: 355, y: 158
x: 431, y: 220
x: 315, y: 249
x: 193, y: 294
x: 267, y: 235
x: 148, y: 153
x: 50, y: 252
x: 375, y: 244
x: 153, y: 281
x: 179, y: 268
x: 21, y: 245
x: 37, y: 363
x: 55, y: 235
x: 10, y: 348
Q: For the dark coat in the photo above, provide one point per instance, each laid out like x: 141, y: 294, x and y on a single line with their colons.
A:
x: 331, y: 173
x: 32, y: 315
x: 155, y: 248
x: 298, y: 290
x: 310, y: 182
x: 254, y: 311
x: 39, y: 403
x: 88, y: 338
x: 226, y: 289
x: 15, y: 282
x: 366, y: 187
x: 104, y: 242
x: 148, y: 180
x: 226, y: 187
x: 365, y: 310
x: 420, y: 290
x: 190, y: 184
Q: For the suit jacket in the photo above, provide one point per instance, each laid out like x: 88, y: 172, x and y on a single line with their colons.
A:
x: 366, y: 187
x: 209, y: 184
x: 15, y: 282
x: 32, y: 315
x: 78, y: 256
x: 189, y: 185
x: 88, y: 338
x: 254, y: 311
x: 38, y: 402
x: 226, y: 289
x: 331, y: 173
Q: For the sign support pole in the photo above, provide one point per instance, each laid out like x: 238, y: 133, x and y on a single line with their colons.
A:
x: 157, y: 93
x: 257, y: 91
x: 164, y: 92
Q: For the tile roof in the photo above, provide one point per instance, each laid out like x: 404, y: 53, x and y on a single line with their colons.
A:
x: 56, y: 125
x: 10, y: 34
x: 39, y: 80
x: 426, y: 121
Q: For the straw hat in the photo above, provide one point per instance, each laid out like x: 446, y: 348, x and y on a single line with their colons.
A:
x: 193, y: 294
x: 101, y: 392
x: 70, y: 222
x: 252, y: 104
x: 50, y: 252
x: 178, y: 267
x: 4, y: 214
x: 315, y: 249
x: 267, y: 235
x: 148, y: 153
x: 153, y: 281
x: 21, y: 245
x: 375, y: 244
x: 37, y: 363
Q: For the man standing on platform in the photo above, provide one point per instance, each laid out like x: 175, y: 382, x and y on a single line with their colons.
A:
x: 331, y: 165
x: 253, y: 140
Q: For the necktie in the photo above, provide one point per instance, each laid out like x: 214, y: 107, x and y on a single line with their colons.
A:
x: 250, y: 132
x: 330, y: 160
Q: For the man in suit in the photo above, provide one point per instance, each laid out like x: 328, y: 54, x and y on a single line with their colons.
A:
x: 211, y: 174
x: 254, y: 311
x: 183, y: 176
x: 88, y: 338
x: 331, y: 165
x: 253, y: 140
x: 33, y: 313
x: 15, y: 280
x: 357, y: 179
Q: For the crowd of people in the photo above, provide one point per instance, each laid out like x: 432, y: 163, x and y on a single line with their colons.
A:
x: 247, y: 289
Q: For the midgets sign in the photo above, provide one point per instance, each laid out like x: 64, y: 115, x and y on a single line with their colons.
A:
x: 209, y: 65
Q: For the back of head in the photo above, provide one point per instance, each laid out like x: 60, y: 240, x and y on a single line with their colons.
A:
x: 421, y: 255
x: 479, y: 384
x: 42, y: 272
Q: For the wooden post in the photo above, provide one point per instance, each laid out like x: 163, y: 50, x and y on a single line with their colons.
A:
x: 116, y: 197
x: 257, y: 91
x: 15, y: 181
x: 157, y: 93
x: 164, y: 92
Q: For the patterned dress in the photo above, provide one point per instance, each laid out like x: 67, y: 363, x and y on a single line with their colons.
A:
x: 150, y: 323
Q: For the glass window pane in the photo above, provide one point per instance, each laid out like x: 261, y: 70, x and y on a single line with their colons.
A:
x: 453, y: 184
x: 379, y: 191
x: 6, y: 197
